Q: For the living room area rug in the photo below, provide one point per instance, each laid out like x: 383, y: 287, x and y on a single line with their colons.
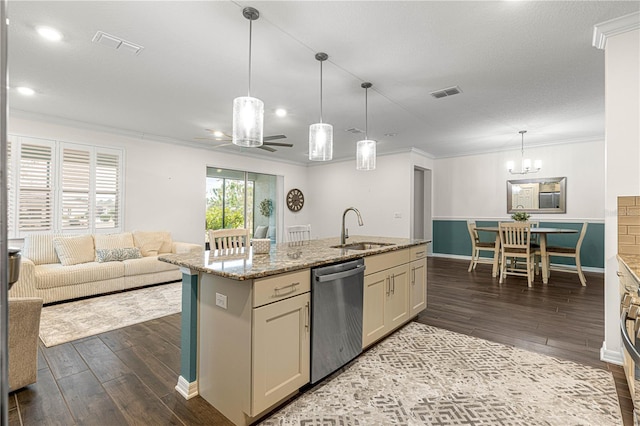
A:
x: 423, y: 375
x: 69, y: 321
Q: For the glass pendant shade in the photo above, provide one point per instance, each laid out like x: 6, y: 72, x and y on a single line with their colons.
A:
x: 366, y: 155
x: 320, y: 142
x: 248, y: 121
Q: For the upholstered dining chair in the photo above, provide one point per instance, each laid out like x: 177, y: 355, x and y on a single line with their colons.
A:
x: 477, y: 246
x: 298, y: 233
x: 228, y: 239
x: 573, y: 252
x: 515, y: 241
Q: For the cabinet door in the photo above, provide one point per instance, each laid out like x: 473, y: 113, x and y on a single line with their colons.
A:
x: 397, y: 303
x: 281, y: 350
x: 376, y: 289
x: 418, y: 286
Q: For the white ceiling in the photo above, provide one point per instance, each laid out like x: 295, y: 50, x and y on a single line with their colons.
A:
x: 521, y: 66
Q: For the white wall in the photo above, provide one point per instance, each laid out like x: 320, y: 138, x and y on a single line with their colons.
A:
x: 622, y: 106
x: 378, y: 195
x: 165, y: 183
x: 475, y: 187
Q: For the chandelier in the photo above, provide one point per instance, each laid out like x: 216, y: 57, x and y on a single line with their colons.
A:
x: 525, y: 163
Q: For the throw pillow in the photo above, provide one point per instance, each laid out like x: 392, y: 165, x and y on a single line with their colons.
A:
x: 117, y: 254
x: 153, y: 243
x: 261, y: 231
x: 74, y: 250
x: 40, y: 249
x: 111, y: 241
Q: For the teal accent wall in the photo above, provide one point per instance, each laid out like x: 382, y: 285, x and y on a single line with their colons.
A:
x: 189, y: 325
x: 452, y: 237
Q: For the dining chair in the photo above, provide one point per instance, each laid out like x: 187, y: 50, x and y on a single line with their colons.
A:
x: 477, y: 246
x: 573, y: 252
x: 298, y: 233
x: 227, y: 239
x: 515, y: 239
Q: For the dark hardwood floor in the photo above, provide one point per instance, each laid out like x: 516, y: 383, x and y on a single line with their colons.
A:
x: 127, y: 376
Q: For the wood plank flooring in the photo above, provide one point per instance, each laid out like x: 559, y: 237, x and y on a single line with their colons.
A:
x: 128, y: 376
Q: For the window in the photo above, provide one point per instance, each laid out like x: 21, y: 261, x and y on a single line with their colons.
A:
x: 62, y: 187
x: 234, y: 200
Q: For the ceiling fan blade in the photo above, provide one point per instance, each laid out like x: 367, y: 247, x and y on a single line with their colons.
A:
x: 213, y: 139
x: 273, y: 137
x: 266, y: 148
x: 288, y: 145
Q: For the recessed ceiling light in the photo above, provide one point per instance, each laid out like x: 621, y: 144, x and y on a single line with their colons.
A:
x: 49, y: 33
x: 27, y: 91
x: 391, y: 134
x: 218, y: 134
x: 281, y: 112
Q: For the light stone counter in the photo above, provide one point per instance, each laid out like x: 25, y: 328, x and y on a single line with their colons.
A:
x: 283, y: 257
x: 633, y: 263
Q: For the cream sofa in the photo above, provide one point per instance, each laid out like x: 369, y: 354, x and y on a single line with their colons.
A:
x: 62, y: 267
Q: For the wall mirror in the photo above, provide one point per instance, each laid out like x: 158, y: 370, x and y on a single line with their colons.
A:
x: 544, y: 195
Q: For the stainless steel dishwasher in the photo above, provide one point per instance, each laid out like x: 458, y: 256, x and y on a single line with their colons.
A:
x: 336, y: 316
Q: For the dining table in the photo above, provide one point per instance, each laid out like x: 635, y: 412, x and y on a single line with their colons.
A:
x: 542, y: 232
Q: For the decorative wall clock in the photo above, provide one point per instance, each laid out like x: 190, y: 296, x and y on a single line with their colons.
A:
x: 295, y: 200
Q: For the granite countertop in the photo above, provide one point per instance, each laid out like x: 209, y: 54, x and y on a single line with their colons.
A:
x: 283, y: 257
x: 633, y: 263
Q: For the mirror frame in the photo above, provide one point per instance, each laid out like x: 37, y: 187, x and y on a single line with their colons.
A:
x: 563, y: 195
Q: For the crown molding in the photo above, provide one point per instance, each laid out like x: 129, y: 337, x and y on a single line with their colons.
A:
x: 604, y: 30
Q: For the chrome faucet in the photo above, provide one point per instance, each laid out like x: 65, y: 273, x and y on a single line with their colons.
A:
x: 344, y: 234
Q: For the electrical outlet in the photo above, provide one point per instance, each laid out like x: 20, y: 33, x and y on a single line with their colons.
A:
x: 397, y: 215
x: 221, y: 300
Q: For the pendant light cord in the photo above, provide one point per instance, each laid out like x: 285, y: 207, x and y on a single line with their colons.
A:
x: 320, y: 91
x: 366, y: 112
x: 250, y: 31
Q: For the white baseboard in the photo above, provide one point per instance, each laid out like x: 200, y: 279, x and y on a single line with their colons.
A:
x: 612, y: 357
x: 187, y: 389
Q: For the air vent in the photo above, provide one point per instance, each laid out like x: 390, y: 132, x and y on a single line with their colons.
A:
x: 449, y: 91
x: 116, y: 43
x: 354, y: 130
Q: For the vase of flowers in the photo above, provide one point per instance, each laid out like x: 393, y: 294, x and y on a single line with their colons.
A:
x: 520, y: 216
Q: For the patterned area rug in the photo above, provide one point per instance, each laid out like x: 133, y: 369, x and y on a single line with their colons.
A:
x: 74, y: 320
x: 423, y: 375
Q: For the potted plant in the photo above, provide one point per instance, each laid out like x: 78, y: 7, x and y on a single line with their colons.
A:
x: 520, y: 216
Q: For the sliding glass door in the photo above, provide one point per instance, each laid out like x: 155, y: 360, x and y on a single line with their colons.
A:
x: 240, y: 199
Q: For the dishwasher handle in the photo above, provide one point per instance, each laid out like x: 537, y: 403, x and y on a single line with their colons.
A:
x: 338, y: 275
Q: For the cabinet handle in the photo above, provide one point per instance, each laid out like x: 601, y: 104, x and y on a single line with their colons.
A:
x: 306, y: 316
x: 387, y: 282
x: 291, y: 286
x: 413, y: 276
x: 420, y: 254
x: 393, y: 279
x: 619, y: 274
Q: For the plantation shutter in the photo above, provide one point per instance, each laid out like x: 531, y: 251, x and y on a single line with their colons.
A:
x: 11, y: 188
x: 76, y: 189
x: 107, y: 191
x: 35, y: 196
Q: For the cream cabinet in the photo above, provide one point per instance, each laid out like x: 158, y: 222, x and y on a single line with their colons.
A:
x: 253, y: 342
x: 418, y: 288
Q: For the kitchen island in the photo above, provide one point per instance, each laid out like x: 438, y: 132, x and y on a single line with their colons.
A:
x: 246, y: 316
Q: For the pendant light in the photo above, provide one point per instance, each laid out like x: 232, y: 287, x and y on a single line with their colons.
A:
x: 525, y: 164
x: 366, y: 149
x: 248, y: 112
x: 321, y: 134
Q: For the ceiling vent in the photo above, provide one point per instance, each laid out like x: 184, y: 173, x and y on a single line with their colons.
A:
x: 449, y: 91
x: 354, y: 130
x: 116, y: 43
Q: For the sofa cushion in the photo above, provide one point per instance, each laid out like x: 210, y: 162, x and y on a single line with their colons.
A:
x: 117, y: 254
x: 39, y: 248
x: 146, y: 265
x: 57, y: 275
x: 74, y: 250
x: 153, y: 243
x: 114, y: 241
x: 261, y: 231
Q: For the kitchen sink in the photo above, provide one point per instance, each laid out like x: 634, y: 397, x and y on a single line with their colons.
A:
x: 362, y: 246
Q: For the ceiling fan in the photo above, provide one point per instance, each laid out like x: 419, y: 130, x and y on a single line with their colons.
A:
x: 266, y: 140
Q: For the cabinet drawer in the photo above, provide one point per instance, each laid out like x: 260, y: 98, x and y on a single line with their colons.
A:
x: 380, y: 262
x: 281, y: 286
x: 418, y: 252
